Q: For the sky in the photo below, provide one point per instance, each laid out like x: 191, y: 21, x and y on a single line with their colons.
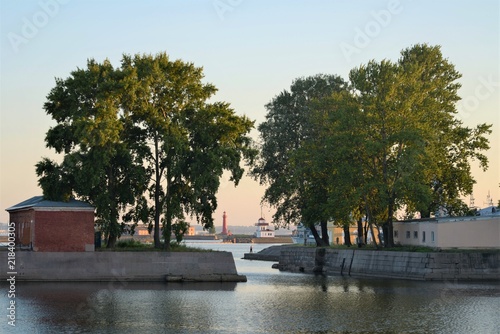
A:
x: 251, y: 50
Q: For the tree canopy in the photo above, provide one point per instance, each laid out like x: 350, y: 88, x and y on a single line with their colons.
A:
x: 99, y: 163
x: 293, y: 188
x: 387, y: 140
x: 143, y: 140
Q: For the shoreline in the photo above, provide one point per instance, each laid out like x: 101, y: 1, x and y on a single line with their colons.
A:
x: 122, y: 266
x: 475, y: 265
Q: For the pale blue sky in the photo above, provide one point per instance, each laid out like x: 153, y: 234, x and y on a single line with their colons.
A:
x: 250, y: 49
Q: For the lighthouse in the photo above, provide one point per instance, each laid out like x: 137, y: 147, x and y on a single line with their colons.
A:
x: 263, y: 230
x: 224, y: 224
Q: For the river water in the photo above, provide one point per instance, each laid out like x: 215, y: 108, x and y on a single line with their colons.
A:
x: 270, y: 302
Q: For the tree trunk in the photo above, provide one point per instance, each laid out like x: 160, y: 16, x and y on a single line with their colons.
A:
x: 385, y: 231
x: 390, y: 234
x: 324, y: 233
x: 156, y: 232
x: 319, y: 240
x: 389, y: 237
x: 370, y: 222
x: 167, y: 227
x: 111, y: 242
x: 347, y: 236
x: 113, y: 226
x: 113, y: 229
x: 361, y: 241
x: 366, y: 228
x: 374, y: 236
x: 157, y: 209
x: 167, y: 232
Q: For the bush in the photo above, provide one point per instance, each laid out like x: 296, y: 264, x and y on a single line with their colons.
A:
x: 130, y: 243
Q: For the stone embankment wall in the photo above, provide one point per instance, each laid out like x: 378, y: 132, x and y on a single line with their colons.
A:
x: 404, y: 265
x: 123, y: 266
x: 252, y: 240
x: 271, y: 253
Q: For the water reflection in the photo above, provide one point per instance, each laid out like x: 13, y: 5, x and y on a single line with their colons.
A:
x: 124, y: 306
x: 270, y: 302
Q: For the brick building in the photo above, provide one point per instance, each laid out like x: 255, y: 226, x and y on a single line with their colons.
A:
x: 48, y: 226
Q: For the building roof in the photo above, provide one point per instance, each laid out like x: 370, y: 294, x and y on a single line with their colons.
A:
x: 261, y: 222
x: 489, y: 211
x: 40, y: 202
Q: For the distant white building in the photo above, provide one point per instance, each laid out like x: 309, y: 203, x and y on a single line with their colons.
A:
x: 489, y: 211
x: 482, y: 231
x: 263, y: 229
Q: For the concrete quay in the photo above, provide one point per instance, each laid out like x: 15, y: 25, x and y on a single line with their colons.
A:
x: 271, y: 253
x: 392, y: 264
x: 435, y: 266
x: 122, y: 266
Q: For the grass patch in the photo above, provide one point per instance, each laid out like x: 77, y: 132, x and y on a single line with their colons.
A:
x: 131, y: 245
x: 175, y: 247
x: 415, y: 249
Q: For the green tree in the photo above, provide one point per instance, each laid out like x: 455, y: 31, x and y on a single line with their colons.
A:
x: 190, y: 142
x: 389, y: 142
x: 340, y: 158
x: 179, y: 229
x: 450, y: 147
x: 56, y: 184
x: 401, y: 145
x: 394, y: 142
x: 294, y: 187
x: 98, y: 165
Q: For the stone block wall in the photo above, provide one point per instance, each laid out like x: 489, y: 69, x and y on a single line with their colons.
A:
x: 123, y: 266
x: 404, y: 265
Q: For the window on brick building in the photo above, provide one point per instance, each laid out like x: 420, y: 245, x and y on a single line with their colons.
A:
x: 415, y: 234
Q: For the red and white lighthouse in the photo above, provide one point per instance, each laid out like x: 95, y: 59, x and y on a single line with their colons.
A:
x: 224, y: 224
x: 263, y: 229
